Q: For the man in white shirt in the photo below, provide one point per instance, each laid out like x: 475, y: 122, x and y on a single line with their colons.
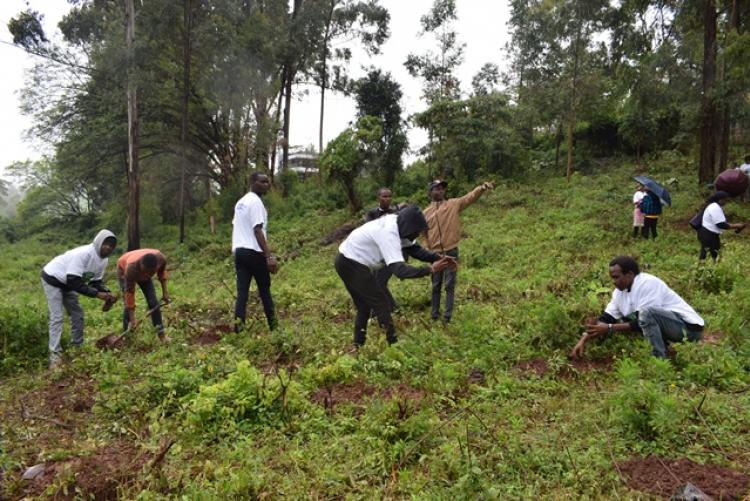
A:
x: 745, y: 167
x: 643, y: 302
x: 252, y: 255
x: 78, y: 271
x: 371, y: 247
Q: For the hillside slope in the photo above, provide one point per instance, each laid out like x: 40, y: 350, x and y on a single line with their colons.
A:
x: 488, y: 407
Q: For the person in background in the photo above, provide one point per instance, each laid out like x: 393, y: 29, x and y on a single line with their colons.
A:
x: 637, y: 214
x: 713, y: 224
x: 651, y: 209
x: 252, y: 255
x: 137, y: 267
x: 443, y: 235
x: 78, y: 271
x: 375, y: 245
x: 643, y: 303
x: 745, y: 167
x: 383, y: 276
x: 384, y: 206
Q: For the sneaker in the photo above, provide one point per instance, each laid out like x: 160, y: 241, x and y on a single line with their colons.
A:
x: 55, y: 362
x: 164, y: 338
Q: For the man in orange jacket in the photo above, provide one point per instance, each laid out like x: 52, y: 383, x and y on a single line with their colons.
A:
x: 137, y: 267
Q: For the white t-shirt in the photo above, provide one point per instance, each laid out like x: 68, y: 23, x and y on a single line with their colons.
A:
x: 375, y: 244
x: 249, y: 212
x: 713, y: 215
x: 83, y: 261
x: 638, y: 196
x: 650, y: 291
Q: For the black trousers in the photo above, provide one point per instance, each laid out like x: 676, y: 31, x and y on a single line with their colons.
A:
x: 649, y: 225
x: 149, y: 292
x: 710, y: 242
x: 368, y: 296
x: 382, y: 277
x: 251, y: 264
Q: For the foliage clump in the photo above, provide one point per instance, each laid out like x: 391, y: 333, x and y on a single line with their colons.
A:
x: 244, y: 401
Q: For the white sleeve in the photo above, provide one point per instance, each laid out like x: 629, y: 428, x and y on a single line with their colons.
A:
x: 390, y: 248
x: 256, y: 214
x: 612, y: 308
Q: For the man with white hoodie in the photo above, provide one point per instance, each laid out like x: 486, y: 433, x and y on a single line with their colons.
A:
x: 78, y: 271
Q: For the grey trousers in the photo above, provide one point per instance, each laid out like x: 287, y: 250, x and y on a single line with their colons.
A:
x: 662, y: 327
x: 449, y: 277
x: 57, y: 299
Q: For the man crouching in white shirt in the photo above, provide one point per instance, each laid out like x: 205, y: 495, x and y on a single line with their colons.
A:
x: 642, y: 302
x: 371, y: 247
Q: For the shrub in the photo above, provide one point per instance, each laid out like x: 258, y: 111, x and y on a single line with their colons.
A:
x: 244, y: 401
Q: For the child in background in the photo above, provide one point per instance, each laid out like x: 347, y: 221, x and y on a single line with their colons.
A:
x: 637, y: 214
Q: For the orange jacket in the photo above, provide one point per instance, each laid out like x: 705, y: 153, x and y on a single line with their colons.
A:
x: 129, y: 275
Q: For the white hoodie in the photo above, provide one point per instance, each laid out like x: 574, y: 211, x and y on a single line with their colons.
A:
x: 84, y: 261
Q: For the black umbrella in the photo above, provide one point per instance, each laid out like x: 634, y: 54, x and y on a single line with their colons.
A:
x: 659, y: 190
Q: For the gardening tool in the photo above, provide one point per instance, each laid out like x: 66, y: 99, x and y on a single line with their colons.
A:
x: 111, y: 341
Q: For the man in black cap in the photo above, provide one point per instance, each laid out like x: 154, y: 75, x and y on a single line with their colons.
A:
x: 375, y: 245
x: 443, y: 235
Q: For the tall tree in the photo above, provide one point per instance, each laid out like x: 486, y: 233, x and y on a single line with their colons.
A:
x: 438, y: 70
x: 344, y: 22
x: 708, y: 120
x: 379, y: 95
x: 134, y: 233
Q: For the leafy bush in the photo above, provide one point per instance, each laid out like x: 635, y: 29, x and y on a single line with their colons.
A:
x: 641, y: 404
x: 23, y: 338
x: 244, y: 401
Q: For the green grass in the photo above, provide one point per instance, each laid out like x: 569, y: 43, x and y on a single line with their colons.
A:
x: 533, y: 266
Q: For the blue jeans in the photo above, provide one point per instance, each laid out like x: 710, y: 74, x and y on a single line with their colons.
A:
x: 662, y: 327
x: 449, y: 276
x: 149, y: 292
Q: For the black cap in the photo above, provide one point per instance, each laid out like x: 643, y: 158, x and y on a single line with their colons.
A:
x: 436, y: 183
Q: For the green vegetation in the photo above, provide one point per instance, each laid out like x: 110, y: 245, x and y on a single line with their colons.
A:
x: 486, y: 408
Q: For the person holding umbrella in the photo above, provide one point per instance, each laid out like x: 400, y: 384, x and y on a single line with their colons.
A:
x: 713, y: 223
x: 651, y: 204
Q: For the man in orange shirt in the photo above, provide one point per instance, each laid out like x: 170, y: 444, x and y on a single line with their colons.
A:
x: 137, y: 267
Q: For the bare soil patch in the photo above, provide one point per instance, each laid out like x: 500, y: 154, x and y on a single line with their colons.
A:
x: 476, y: 376
x: 358, y: 392
x: 582, y: 365
x: 97, y: 476
x: 663, y: 477
x: 536, y: 366
x: 213, y: 334
x: 714, y: 337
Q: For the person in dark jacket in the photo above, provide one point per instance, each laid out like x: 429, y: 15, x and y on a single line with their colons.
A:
x: 78, y: 271
x: 713, y: 223
x: 384, y: 206
x: 651, y: 209
x: 375, y: 245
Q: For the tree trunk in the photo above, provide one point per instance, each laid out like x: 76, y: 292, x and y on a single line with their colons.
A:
x: 708, y: 106
x: 275, y: 141
x: 558, y: 141
x: 186, y: 56
x: 573, y: 104
x: 290, y: 71
x: 134, y: 234
x: 324, y: 75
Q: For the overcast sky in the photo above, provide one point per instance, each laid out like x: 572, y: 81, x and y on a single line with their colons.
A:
x: 482, y: 26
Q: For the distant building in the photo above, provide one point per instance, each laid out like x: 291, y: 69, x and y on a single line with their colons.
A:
x: 303, y: 161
